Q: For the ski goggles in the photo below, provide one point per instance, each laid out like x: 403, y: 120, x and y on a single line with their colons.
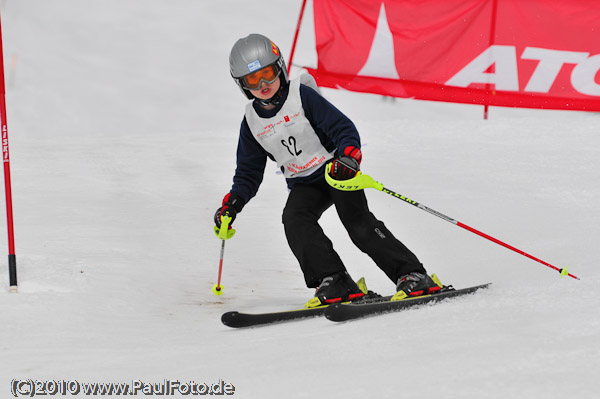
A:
x: 267, y: 74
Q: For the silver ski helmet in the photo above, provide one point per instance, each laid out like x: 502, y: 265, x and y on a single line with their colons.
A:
x: 253, y: 53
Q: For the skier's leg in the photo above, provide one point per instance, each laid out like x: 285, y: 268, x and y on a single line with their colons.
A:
x: 372, y: 237
x: 314, y: 251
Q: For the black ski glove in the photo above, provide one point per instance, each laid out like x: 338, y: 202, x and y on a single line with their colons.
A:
x: 344, y: 168
x: 232, y: 204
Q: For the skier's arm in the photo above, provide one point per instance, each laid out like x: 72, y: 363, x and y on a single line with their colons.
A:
x: 251, y: 161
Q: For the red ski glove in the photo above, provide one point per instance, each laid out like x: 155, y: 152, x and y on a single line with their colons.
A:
x: 353, y: 152
x: 232, y: 204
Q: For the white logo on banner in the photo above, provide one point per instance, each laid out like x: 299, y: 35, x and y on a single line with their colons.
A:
x: 506, y: 74
x: 381, y: 61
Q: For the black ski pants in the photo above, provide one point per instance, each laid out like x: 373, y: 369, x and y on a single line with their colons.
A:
x: 314, y: 251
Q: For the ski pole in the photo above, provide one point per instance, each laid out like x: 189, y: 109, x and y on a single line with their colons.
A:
x: 361, y: 181
x: 223, y: 233
x: 218, y: 288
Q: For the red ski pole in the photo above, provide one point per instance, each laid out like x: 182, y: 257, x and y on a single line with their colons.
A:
x: 218, y: 288
x: 361, y: 181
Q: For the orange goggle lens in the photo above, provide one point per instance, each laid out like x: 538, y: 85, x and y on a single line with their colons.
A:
x: 267, y: 74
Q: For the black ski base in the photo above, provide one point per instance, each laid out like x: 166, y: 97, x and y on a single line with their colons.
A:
x: 368, y: 306
x: 350, y: 311
x: 241, y: 320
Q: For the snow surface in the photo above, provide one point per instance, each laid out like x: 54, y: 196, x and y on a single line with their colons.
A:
x: 123, y: 124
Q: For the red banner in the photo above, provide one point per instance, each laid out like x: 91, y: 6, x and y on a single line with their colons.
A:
x: 517, y: 53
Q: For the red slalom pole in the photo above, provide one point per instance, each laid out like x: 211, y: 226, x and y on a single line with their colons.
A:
x: 12, y: 259
x: 492, y: 41
x: 289, y: 67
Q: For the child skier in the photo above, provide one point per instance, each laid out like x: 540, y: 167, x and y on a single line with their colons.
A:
x: 293, y: 125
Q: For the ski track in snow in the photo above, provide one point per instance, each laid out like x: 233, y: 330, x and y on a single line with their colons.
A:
x: 123, y: 124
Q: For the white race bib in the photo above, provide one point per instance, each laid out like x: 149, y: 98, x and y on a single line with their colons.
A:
x: 289, y: 137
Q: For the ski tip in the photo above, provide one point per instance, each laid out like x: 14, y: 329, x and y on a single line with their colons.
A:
x: 229, y: 319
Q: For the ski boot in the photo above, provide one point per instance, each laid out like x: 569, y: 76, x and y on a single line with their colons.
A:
x: 416, y: 284
x: 338, y: 287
